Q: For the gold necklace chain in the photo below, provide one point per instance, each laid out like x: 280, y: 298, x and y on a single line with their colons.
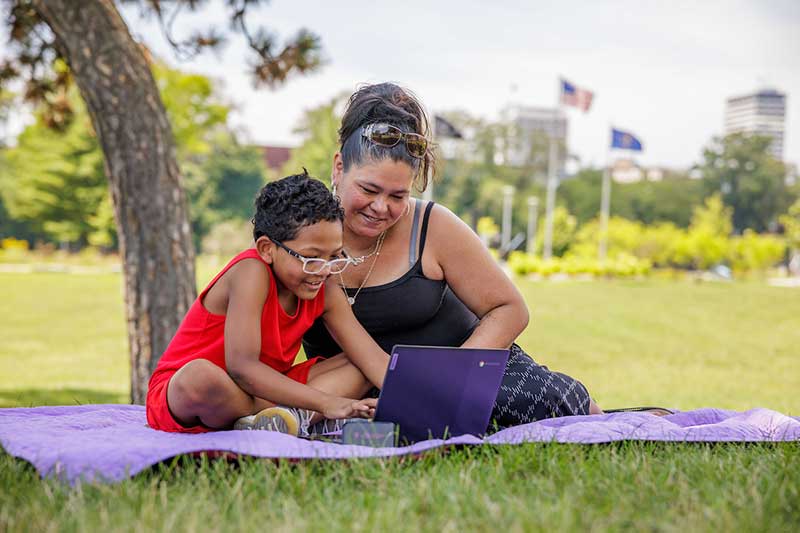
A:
x: 376, y: 252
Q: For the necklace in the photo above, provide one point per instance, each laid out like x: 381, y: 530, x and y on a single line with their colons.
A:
x: 360, y: 259
x: 376, y: 252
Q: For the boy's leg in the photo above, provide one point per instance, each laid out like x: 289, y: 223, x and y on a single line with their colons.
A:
x: 202, y: 392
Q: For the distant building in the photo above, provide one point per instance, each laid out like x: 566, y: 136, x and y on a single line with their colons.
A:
x: 275, y: 156
x: 763, y: 113
x: 628, y: 171
x: 535, y: 125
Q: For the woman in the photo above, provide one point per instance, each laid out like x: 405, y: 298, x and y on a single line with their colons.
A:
x: 422, y: 275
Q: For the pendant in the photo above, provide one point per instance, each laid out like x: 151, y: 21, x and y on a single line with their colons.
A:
x: 351, y: 300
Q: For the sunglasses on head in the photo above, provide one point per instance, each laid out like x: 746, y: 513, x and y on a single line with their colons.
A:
x: 387, y: 135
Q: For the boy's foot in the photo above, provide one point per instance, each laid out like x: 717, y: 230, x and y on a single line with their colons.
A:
x: 327, y: 427
x: 246, y: 422
x: 289, y: 420
x: 281, y: 419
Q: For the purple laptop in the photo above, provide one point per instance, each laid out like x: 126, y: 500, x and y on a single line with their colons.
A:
x: 440, y: 392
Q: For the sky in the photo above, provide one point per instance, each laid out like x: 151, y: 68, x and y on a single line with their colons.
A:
x: 659, y: 69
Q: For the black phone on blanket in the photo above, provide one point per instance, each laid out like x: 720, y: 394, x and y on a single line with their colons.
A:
x: 369, y: 433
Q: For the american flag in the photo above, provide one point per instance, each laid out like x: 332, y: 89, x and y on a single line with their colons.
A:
x: 575, y: 96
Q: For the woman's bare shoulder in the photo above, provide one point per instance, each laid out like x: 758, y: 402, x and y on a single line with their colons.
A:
x: 445, y: 225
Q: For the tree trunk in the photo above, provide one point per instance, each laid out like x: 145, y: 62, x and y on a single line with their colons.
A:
x: 149, y: 205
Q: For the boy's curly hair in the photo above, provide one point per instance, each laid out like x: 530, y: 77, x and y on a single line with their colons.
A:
x: 286, y: 205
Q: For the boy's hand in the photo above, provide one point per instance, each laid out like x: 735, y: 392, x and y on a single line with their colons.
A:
x: 338, y: 407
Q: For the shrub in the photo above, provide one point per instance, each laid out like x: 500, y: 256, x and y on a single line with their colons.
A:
x: 634, y: 249
x: 660, y: 243
x: 10, y: 243
x: 791, y: 225
x: 623, y: 265
x: 624, y: 236
x: 756, y: 252
x: 487, y: 227
x: 704, y: 249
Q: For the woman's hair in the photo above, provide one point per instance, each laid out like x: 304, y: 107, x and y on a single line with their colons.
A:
x: 288, y: 204
x: 390, y: 104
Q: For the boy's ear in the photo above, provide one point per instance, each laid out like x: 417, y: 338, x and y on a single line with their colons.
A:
x: 266, y: 249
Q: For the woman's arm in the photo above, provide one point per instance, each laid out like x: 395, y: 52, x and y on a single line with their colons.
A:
x: 248, y: 286
x: 477, y: 280
x: 350, y: 335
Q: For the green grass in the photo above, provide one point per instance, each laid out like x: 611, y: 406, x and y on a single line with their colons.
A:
x: 63, y: 340
x: 678, y: 344
x: 653, y: 487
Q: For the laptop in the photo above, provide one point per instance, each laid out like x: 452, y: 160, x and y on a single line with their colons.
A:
x: 440, y: 392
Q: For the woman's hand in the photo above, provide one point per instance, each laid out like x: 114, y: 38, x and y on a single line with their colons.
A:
x: 337, y: 407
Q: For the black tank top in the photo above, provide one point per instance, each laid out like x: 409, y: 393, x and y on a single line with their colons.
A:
x: 409, y: 310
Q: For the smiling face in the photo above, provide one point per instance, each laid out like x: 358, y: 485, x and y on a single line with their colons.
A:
x: 374, y: 195
x: 322, y: 240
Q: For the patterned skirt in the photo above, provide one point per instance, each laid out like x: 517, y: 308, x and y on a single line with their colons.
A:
x: 531, y: 392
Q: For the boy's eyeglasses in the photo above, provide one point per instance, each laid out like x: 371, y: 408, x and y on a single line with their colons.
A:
x: 312, y: 265
x: 387, y: 135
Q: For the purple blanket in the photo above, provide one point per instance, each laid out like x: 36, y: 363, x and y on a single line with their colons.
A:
x: 113, y: 442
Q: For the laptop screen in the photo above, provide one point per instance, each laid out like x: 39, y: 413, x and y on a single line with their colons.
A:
x: 440, y: 392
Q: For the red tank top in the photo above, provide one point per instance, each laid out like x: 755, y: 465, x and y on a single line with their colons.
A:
x: 201, y: 334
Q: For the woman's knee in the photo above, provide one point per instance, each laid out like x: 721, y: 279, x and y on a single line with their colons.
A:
x: 568, y: 396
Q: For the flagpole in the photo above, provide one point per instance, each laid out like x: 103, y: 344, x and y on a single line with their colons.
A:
x: 550, y: 201
x: 605, y: 201
x: 533, y: 213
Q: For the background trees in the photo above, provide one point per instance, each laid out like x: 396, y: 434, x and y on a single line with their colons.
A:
x: 113, y: 74
x: 319, y: 130
x: 54, y: 181
x: 750, y: 180
x: 739, y: 167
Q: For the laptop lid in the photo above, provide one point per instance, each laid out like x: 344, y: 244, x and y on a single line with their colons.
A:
x: 440, y: 392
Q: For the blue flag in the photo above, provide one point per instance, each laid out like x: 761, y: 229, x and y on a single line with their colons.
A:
x: 624, y: 140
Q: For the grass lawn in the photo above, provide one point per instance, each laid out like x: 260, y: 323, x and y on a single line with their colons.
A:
x: 677, y: 344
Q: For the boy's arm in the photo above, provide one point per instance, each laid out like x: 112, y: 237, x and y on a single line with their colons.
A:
x: 351, y: 336
x: 248, y: 287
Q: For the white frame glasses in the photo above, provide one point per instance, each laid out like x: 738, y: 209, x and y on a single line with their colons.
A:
x: 333, y: 264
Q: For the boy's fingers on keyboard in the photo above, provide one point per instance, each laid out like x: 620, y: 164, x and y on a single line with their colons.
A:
x: 370, y: 402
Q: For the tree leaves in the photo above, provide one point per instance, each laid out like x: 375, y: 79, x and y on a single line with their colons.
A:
x: 35, y: 58
x: 749, y: 179
x: 56, y: 181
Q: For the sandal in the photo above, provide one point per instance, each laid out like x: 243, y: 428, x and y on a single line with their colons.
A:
x: 655, y: 411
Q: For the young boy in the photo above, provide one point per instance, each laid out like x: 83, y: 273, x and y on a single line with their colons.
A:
x: 231, y: 360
